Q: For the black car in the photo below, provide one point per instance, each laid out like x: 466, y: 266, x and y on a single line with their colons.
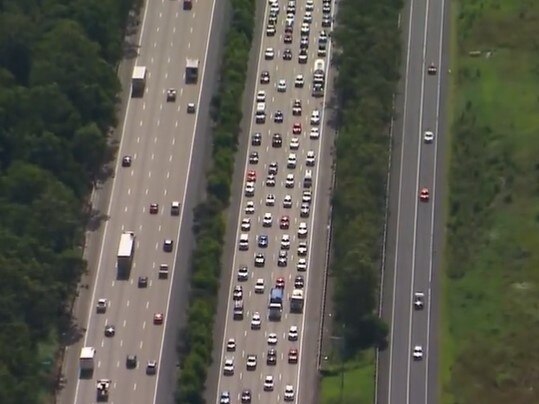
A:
x: 326, y: 22
x: 256, y: 139
x: 277, y: 140
x: 131, y: 361
x: 278, y: 117
x: 273, y: 168
x: 271, y: 357
x: 299, y: 282
x: 110, y: 331
x: 246, y: 396
x: 142, y: 281
x: 264, y: 77
x: 287, y: 54
x: 126, y: 161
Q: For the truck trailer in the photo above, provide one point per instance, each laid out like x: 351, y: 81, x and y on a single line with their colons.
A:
x: 126, y: 250
x: 191, y: 71
x: 86, y: 361
x: 138, y: 81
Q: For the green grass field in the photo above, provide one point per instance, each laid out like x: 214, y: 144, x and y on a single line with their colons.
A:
x: 491, y: 309
x: 357, y: 384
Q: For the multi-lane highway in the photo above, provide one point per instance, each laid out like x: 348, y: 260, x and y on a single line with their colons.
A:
x: 415, y: 226
x: 159, y: 136
x: 268, y: 200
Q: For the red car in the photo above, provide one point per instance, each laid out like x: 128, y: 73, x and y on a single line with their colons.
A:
x: 279, y: 283
x: 296, y: 129
x: 154, y: 208
x: 293, y: 356
x: 284, y: 224
x: 251, y: 175
x: 424, y: 195
x: 158, y: 318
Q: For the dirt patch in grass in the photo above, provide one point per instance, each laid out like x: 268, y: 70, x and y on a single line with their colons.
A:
x: 491, y: 311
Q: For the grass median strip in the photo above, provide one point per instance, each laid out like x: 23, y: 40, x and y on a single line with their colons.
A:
x: 490, y: 349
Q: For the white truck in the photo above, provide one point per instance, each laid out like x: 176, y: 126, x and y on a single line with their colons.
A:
x: 319, y: 78
x: 191, y: 71
x: 126, y: 250
x: 296, y: 301
x: 86, y: 361
x: 138, y: 81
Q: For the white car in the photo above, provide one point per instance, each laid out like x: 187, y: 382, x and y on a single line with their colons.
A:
x: 300, y: 81
x: 272, y: 338
x: 285, y: 242
x: 267, y: 221
x: 261, y: 96
x: 302, y: 249
x: 268, y: 383
x: 270, y: 180
x: 308, y: 17
x: 418, y: 352
x: 259, y: 286
x: 228, y: 368
x: 250, y: 208
x: 293, y: 333
x: 256, y: 321
x: 428, y: 136
x: 307, y: 196
x: 315, y: 133
x: 270, y: 30
x: 281, y: 86
x: 309, y: 5
x: 310, y: 159
x: 245, y: 224
x: 269, y: 54
x: 243, y: 274
x: 231, y: 345
x: 287, y: 202
x: 315, y: 117
x: 301, y: 265
x: 302, y: 230
x: 292, y: 160
x: 305, y: 29
x: 323, y: 37
x: 294, y: 143
x: 289, y: 393
x: 289, y: 183
x: 270, y: 200
x: 250, y: 189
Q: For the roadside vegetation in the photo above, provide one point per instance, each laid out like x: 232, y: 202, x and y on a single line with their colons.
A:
x: 490, y: 345
x: 196, y: 342
x: 58, y: 93
x: 367, y: 57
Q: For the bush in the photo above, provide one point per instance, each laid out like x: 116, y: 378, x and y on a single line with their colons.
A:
x: 209, y: 225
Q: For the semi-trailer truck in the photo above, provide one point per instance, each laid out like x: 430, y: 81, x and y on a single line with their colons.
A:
x: 138, y: 81
x: 275, y: 306
x: 191, y: 71
x: 86, y: 361
x: 126, y: 250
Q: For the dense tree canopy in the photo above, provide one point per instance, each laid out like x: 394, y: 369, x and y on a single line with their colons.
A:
x: 58, y: 90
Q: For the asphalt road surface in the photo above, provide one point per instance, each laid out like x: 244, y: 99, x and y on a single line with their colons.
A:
x: 254, y: 341
x: 416, y: 227
x: 159, y: 136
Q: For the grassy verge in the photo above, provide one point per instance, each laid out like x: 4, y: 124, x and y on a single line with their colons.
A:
x: 490, y: 349
x: 355, y: 385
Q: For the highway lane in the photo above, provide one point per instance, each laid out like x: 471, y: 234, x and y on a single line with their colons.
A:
x: 159, y: 136
x: 412, y: 260
x: 255, y: 341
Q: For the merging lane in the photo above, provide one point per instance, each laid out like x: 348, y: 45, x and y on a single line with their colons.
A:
x: 412, y: 259
x: 249, y: 341
x: 159, y: 136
